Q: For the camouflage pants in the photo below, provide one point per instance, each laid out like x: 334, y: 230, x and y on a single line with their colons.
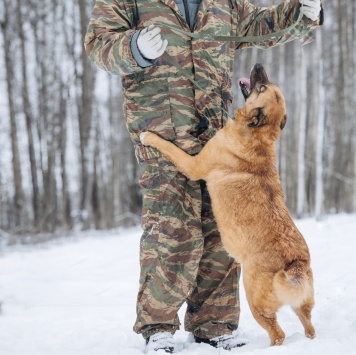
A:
x: 181, y: 256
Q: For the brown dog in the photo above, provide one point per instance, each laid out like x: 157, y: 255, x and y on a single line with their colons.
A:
x: 238, y: 164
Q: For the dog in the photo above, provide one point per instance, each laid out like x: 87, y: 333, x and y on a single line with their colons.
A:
x: 257, y: 230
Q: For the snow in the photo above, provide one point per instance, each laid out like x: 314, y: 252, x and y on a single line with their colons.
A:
x: 77, y: 295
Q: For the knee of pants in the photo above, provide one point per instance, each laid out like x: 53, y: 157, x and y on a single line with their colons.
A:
x: 172, y: 242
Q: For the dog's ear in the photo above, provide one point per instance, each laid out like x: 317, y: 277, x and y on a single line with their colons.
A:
x: 259, y: 120
x: 283, y: 122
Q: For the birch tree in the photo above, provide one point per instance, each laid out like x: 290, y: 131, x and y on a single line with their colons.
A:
x: 319, y: 189
x: 302, y: 134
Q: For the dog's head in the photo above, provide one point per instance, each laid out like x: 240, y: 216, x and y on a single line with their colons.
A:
x: 264, y: 111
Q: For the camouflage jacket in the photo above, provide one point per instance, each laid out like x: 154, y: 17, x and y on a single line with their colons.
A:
x: 157, y: 98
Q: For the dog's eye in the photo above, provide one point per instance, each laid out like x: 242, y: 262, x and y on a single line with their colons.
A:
x: 262, y: 88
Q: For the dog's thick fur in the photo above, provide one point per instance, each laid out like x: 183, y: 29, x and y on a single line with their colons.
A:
x: 238, y: 164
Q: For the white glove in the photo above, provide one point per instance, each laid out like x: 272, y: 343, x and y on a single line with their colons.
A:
x: 150, y: 42
x: 311, y: 8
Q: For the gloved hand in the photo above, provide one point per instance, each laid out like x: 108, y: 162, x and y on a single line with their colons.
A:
x: 150, y: 42
x: 311, y: 8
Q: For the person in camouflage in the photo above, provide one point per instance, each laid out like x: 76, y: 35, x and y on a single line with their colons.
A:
x: 181, y: 255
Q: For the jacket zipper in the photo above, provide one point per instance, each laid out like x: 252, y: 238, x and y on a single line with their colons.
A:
x: 187, y: 14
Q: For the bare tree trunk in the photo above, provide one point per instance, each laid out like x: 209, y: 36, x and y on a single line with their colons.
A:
x: 39, y: 31
x: 319, y: 188
x: 282, y: 143
x: 85, y: 118
x: 28, y: 116
x: 353, y: 76
x: 339, y: 160
x: 301, y: 139
x: 18, y: 201
x: 114, y: 147
x: 349, y: 99
x: 48, y: 124
x: 294, y: 58
x: 67, y: 220
x: 34, y: 20
x: 95, y: 190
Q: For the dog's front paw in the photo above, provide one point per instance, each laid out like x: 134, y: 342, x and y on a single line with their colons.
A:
x: 144, y: 138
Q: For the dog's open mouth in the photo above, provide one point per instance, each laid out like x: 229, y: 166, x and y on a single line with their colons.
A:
x: 258, y: 76
x: 245, y: 86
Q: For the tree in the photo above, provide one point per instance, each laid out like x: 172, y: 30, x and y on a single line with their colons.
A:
x: 66, y: 157
x: 36, y: 204
x: 85, y: 110
x: 319, y: 190
x: 8, y: 28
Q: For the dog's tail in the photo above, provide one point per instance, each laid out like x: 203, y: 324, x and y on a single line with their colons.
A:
x: 294, y: 284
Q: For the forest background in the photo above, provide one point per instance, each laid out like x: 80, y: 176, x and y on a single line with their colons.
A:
x: 66, y: 160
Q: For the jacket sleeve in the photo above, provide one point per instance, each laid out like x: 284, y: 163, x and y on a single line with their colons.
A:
x: 108, y: 38
x: 257, y: 21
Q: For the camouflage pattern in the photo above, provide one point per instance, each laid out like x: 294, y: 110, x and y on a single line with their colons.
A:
x: 157, y: 98
x: 182, y: 258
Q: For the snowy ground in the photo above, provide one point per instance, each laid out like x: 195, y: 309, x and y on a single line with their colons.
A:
x: 77, y: 296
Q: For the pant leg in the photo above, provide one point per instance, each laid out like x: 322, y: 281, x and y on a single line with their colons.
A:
x: 171, y: 245
x: 213, y: 308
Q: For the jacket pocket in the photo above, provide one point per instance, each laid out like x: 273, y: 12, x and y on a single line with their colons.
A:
x: 147, y: 107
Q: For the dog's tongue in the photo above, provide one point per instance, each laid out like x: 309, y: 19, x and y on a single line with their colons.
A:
x: 246, y: 82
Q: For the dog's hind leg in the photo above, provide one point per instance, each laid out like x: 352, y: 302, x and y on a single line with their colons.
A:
x: 304, y: 314
x: 303, y: 310
x: 264, y: 305
x: 268, y: 320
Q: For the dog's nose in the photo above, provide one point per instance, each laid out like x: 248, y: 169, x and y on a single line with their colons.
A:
x: 258, y: 75
x: 258, y: 66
